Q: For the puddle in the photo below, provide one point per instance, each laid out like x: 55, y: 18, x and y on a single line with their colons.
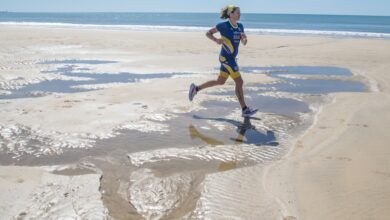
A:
x: 299, y: 84
x: 317, y: 86
x: 278, y: 117
x: 300, y: 70
x: 174, y: 163
x: 78, y: 79
x: 268, y: 104
x: 75, y: 61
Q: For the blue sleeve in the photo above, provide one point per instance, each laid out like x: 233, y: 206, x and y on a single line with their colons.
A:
x: 241, y: 26
x: 220, y: 27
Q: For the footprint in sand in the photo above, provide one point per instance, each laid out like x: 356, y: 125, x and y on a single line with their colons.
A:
x: 358, y: 125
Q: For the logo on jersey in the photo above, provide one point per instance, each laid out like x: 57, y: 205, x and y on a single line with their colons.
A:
x: 237, y: 36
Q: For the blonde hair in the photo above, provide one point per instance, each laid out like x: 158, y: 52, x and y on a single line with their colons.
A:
x: 227, y: 10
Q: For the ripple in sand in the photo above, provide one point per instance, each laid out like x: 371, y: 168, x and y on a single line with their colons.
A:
x: 224, y: 153
x: 155, y: 197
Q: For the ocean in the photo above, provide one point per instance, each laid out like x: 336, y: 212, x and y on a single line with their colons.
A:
x: 281, y: 24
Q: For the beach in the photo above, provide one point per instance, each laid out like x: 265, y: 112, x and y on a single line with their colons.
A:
x: 104, y: 129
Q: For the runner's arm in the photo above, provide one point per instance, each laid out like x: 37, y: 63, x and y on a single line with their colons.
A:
x: 210, y: 35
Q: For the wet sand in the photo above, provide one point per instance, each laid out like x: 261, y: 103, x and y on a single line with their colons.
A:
x: 111, y: 108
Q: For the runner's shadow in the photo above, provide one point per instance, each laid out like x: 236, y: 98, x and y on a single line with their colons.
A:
x: 246, y: 132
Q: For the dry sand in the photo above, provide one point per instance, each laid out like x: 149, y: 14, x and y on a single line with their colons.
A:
x: 337, y: 169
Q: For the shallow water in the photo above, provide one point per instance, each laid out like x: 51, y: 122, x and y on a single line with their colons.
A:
x: 81, y: 77
x: 300, y: 70
x: 150, y: 174
x: 218, y: 124
x: 76, y: 61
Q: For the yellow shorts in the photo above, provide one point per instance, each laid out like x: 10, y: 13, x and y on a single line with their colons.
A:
x: 226, y: 75
x: 228, y: 68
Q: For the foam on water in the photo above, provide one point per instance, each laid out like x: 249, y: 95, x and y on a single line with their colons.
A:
x: 261, y: 31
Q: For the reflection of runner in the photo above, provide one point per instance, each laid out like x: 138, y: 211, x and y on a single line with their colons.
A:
x: 232, y: 33
x: 196, y: 134
x: 257, y: 138
x: 224, y: 165
x: 253, y: 137
x: 269, y: 138
x: 243, y: 127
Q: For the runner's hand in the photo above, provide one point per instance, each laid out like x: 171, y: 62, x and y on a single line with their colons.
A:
x: 244, y: 39
x: 219, y: 41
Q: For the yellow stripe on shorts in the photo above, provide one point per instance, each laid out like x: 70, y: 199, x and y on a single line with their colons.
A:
x: 224, y: 74
x: 234, y: 75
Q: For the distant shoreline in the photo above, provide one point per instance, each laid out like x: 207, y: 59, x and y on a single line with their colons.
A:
x: 173, y: 28
x: 349, y: 26
x: 145, y: 12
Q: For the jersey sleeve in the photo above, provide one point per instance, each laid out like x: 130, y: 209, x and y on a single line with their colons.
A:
x: 242, y: 27
x: 220, y: 27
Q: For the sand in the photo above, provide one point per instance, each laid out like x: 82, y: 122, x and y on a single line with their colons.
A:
x: 37, y: 193
x: 337, y: 169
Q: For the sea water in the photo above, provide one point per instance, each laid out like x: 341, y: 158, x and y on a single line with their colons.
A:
x: 282, y: 24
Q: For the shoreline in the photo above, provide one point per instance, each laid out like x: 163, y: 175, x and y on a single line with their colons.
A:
x: 195, y: 29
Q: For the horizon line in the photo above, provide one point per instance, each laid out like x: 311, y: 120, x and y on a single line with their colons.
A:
x: 176, y: 12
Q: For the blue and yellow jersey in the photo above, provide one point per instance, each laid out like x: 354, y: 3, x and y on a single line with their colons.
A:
x: 231, y: 40
x: 231, y: 37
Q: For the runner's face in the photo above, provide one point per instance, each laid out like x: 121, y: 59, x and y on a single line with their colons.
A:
x: 236, y: 14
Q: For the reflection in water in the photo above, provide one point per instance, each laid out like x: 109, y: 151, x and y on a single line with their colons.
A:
x: 194, y: 133
x: 229, y: 165
x: 224, y: 165
x: 246, y: 133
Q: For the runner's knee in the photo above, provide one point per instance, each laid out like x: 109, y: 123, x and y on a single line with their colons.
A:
x: 221, y: 81
x: 239, y: 81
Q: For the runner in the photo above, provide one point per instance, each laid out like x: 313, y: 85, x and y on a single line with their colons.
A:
x: 232, y: 33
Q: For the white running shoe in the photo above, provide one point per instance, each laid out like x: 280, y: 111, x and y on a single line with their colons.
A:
x: 192, y: 92
x: 248, y: 112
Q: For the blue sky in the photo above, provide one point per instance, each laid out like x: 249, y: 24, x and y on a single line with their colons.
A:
x: 348, y: 7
